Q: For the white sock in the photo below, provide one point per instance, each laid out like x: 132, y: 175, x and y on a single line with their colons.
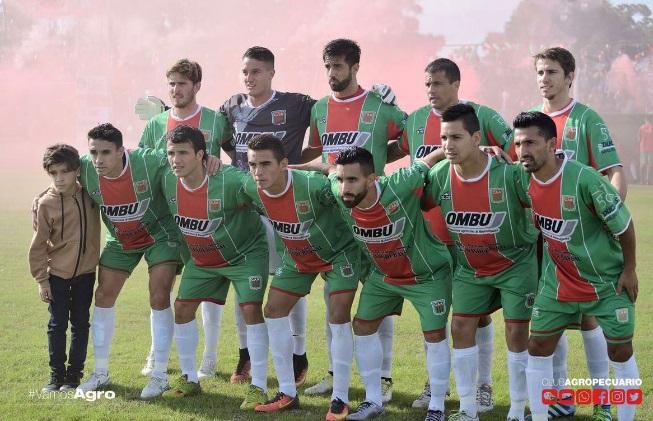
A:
x: 517, y: 362
x: 281, y: 348
x: 164, y: 326
x: 327, y: 330
x: 596, y: 354
x: 538, y: 369
x: 211, y: 318
x: 151, y: 354
x: 627, y: 370
x: 257, y: 343
x: 241, y: 326
x: 369, y: 357
x: 485, y: 344
x: 438, y: 364
x: 386, y: 335
x: 560, y: 362
x: 343, y: 354
x: 465, y: 369
x: 298, y: 326
x: 186, y: 338
x: 102, y: 326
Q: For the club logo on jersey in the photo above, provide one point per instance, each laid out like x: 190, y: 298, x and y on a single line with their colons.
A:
x: 497, y: 195
x: 172, y: 200
x: 392, y: 207
x: 278, y: 117
x: 424, y: 150
x: 95, y: 193
x: 292, y: 230
x: 439, y: 307
x: 421, y: 130
x: 255, y: 282
x: 215, y: 205
x: 303, y: 206
x: 445, y: 196
x: 383, y: 234
x: 140, y: 186
x: 242, y: 138
x: 367, y: 117
x: 346, y: 271
x: 127, y: 212
x: 570, y: 133
x: 569, y: 202
x: 622, y: 315
x: 337, y: 141
x: 475, y: 222
x: 556, y: 229
x: 530, y: 300
x: 196, y: 227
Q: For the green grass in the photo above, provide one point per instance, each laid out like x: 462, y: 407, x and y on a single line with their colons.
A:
x: 23, y: 354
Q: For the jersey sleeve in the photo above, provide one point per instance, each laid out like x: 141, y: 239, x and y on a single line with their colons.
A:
x: 396, y: 122
x: 228, y: 134
x: 305, y: 107
x: 314, y: 134
x: 409, y: 181
x: 520, y: 179
x: 404, y: 141
x: 603, y: 153
x: 433, y: 186
x: 221, y: 132
x: 607, y: 203
x: 154, y: 158
x: 148, y: 138
x: 496, y: 129
x: 321, y: 188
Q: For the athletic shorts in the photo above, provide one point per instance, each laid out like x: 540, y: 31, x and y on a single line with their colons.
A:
x: 274, y: 258
x: 454, y: 258
x: 431, y: 299
x: 615, y: 314
x: 646, y: 158
x: 249, y: 279
x: 342, y: 278
x: 114, y: 257
x: 514, y: 290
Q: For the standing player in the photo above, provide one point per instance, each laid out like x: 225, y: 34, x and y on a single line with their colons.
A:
x: 313, y: 239
x: 495, y: 246
x: 422, y: 135
x: 227, y: 243
x: 589, y: 264
x: 184, y: 82
x: 584, y: 137
x: 352, y: 116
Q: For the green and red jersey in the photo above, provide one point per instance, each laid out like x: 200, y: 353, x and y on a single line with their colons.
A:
x: 393, y: 231
x: 213, y: 125
x: 362, y: 120
x: 422, y: 136
x: 584, y: 137
x: 217, y: 222
x: 579, y: 214
x: 132, y: 205
x: 310, y: 231
x: 485, y: 216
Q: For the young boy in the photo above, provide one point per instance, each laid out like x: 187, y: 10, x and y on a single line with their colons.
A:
x: 62, y: 258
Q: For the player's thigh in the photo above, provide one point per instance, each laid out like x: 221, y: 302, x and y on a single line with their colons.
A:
x: 116, y: 259
x: 518, y: 287
x: 202, y: 284
x: 377, y: 300
x: 286, y: 288
x: 549, y: 319
x: 432, y: 301
x: 616, y: 316
x: 342, y: 283
x: 473, y: 298
x: 164, y: 253
x: 249, y: 280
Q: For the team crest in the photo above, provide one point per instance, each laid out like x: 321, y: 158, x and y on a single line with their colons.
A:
x: 497, y: 195
x: 173, y: 200
x: 255, y: 282
x: 140, y: 186
x: 622, y: 315
x: 392, y: 207
x: 215, y: 204
x: 279, y: 117
x: 530, y: 300
x: 421, y: 130
x: 346, y: 271
x: 206, y: 134
x: 569, y: 202
x: 367, y: 117
x: 570, y: 133
x: 303, y: 206
x: 439, y: 307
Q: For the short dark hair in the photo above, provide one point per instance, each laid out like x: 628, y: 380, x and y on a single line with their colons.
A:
x: 357, y: 155
x: 61, y: 154
x: 560, y: 55
x: 345, y: 48
x: 545, y: 124
x: 448, y: 67
x: 188, y: 134
x: 191, y: 70
x: 260, y: 53
x: 464, y: 113
x: 267, y: 142
x: 106, y: 132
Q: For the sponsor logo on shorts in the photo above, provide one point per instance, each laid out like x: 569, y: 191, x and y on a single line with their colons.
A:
x: 346, y: 271
x: 424, y: 150
x: 383, y: 234
x: 570, y: 133
x: 196, y: 227
x: 242, y: 138
x: 439, y: 307
x: 140, y: 186
x: 292, y: 230
x: 127, y: 212
x: 568, y: 202
x: 497, y: 195
x: 367, y: 117
x: 255, y: 282
x: 337, y: 141
x: 278, y: 117
x: 622, y: 315
x: 530, y: 300
x: 215, y: 204
x: 303, y: 206
x: 392, y: 207
x: 475, y: 222
x: 556, y: 229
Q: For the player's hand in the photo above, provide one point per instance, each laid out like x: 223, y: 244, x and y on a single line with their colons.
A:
x: 148, y: 106
x: 213, y: 164
x: 498, y: 152
x: 45, y: 293
x: 385, y: 92
x: 628, y: 280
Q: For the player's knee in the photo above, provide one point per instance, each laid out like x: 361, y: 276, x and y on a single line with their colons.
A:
x: 252, y: 313
x: 159, y: 300
x: 463, y: 327
x: 104, y: 297
x: 542, y: 346
x: 517, y: 336
x: 273, y: 311
x: 184, y: 312
x: 484, y: 321
x: 339, y: 317
x: 363, y: 328
x: 435, y: 336
x: 620, y: 353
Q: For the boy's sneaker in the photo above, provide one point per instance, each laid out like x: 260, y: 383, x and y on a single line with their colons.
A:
x: 94, y: 382
x: 255, y: 396
x: 338, y: 410
x: 53, y: 385
x: 560, y: 410
x: 300, y: 368
x: 280, y: 402
x: 484, y: 398
x: 241, y: 373
x: 71, y: 381
x: 601, y: 413
x: 181, y: 388
x: 149, y: 365
x: 365, y: 411
x: 386, y: 389
x: 462, y: 416
x: 207, y: 369
x: 432, y: 415
x: 155, y: 387
x: 422, y: 401
x: 323, y: 386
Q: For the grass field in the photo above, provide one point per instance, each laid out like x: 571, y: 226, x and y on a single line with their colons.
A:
x: 23, y: 353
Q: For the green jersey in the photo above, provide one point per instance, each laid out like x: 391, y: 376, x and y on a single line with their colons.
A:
x: 579, y: 214
x: 310, y: 231
x: 132, y: 205
x: 362, y: 120
x: 393, y: 232
x: 213, y: 125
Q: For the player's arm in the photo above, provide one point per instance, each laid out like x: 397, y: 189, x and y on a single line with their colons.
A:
x: 321, y: 167
x: 396, y: 124
x: 433, y: 157
x: 395, y: 151
x: 618, y: 180
x: 497, y: 131
x: 628, y: 278
x: 227, y: 139
x: 314, y: 148
x: 604, y: 153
